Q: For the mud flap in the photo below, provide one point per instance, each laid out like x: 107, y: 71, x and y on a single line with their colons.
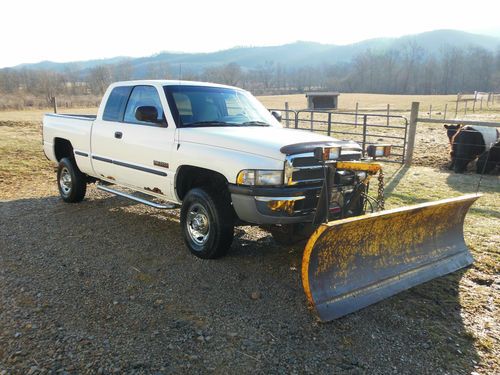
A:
x: 352, y: 263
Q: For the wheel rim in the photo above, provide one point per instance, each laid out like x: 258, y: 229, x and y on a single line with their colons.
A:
x: 198, y: 224
x: 65, y: 182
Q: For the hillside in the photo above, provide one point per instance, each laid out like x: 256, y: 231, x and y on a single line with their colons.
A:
x: 293, y: 55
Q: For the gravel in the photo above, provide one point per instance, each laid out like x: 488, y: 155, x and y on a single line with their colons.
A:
x: 106, y: 286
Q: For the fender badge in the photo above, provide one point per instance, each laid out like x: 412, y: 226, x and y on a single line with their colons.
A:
x: 160, y: 163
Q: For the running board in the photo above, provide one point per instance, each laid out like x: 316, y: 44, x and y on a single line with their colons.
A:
x: 134, y: 198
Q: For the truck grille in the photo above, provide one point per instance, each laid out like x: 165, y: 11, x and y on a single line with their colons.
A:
x: 305, y: 169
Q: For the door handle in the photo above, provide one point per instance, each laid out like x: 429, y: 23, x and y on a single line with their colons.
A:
x: 118, y: 135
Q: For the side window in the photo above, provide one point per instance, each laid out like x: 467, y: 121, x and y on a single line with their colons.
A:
x: 116, y: 103
x: 143, y: 96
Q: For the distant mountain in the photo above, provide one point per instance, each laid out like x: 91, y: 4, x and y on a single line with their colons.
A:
x: 293, y: 55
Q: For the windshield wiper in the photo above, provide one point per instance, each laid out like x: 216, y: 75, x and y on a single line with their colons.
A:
x: 255, y: 123
x: 209, y: 123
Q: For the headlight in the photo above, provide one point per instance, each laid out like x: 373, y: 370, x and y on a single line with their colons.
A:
x: 259, y: 177
x: 375, y: 151
x: 327, y: 153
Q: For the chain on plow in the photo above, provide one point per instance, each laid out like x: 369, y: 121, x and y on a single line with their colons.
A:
x: 380, y: 194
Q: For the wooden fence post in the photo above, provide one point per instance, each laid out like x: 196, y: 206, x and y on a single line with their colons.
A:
x: 430, y: 110
x: 388, y: 113
x: 54, y: 104
x: 365, y: 118
x: 356, y: 115
x: 410, y: 145
x: 445, y: 110
x: 465, y: 108
x: 456, y: 108
x: 287, y: 118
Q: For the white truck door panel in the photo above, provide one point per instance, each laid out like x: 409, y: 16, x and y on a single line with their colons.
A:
x: 142, y: 157
x: 132, y: 152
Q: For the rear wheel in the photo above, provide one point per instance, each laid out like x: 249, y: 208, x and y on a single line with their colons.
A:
x: 70, y: 181
x: 207, y: 223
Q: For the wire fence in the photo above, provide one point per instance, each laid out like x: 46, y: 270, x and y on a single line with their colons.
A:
x: 364, y: 128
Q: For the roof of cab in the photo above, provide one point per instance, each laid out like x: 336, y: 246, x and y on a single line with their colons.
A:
x: 170, y: 82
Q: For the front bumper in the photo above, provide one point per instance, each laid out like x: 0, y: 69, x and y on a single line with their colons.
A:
x: 297, y: 203
x: 252, y: 204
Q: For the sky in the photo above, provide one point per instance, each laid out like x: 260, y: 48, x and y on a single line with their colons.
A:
x: 72, y: 30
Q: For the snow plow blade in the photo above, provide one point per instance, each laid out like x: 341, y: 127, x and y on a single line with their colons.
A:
x: 352, y: 263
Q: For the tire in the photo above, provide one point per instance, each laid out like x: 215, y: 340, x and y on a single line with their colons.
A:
x: 207, y: 223
x: 72, y: 183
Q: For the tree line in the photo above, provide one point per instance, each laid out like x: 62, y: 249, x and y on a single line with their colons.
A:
x: 408, y: 70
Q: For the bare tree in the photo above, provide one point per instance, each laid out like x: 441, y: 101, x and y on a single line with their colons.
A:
x: 122, y: 71
x: 229, y: 74
x: 99, y: 79
x: 158, y: 70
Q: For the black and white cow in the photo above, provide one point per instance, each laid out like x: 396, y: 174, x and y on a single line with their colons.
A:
x: 470, y: 142
x: 451, y: 130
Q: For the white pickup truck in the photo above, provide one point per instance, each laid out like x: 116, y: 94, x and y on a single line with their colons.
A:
x: 215, y: 151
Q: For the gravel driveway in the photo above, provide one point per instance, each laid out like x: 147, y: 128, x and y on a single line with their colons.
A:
x: 107, y: 286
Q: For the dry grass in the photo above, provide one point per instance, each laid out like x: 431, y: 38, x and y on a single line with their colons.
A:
x: 399, y: 104
x: 36, y: 115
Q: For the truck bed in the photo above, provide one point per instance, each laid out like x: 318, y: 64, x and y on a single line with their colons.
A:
x: 75, y: 129
x: 74, y: 116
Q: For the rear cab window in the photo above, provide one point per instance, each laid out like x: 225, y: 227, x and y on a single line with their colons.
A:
x: 116, y: 103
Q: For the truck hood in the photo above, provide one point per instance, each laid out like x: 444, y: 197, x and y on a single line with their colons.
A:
x: 258, y: 140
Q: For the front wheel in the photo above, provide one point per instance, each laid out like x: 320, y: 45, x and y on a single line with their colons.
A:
x: 70, y: 181
x: 207, y: 223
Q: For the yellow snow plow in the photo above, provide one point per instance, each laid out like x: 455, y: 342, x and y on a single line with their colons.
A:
x: 354, y: 262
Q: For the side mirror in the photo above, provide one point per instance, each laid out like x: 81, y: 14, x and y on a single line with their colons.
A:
x: 147, y: 113
x: 277, y: 115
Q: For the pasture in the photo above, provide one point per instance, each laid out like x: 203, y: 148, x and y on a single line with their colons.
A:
x: 107, y: 284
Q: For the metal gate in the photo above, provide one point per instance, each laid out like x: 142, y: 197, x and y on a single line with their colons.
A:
x: 364, y: 128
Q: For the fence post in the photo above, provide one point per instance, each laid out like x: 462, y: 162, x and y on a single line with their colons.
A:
x: 456, y: 108
x: 430, y: 110
x: 465, y: 108
x: 445, y: 110
x: 329, y: 123
x: 364, y: 133
x: 356, y: 115
x: 54, y: 104
x: 287, y: 118
x: 481, y: 104
x: 312, y: 121
x: 412, y: 133
x: 388, y: 113
x: 474, y: 105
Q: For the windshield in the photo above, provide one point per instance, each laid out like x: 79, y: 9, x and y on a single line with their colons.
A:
x: 196, y: 106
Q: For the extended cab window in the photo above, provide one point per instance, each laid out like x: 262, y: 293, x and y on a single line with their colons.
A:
x: 115, y: 106
x: 143, y: 96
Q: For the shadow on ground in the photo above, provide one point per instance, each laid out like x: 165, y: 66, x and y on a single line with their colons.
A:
x: 110, y: 285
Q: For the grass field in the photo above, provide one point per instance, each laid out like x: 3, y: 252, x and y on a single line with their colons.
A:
x: 459, y: 313
x: 378, y: 102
